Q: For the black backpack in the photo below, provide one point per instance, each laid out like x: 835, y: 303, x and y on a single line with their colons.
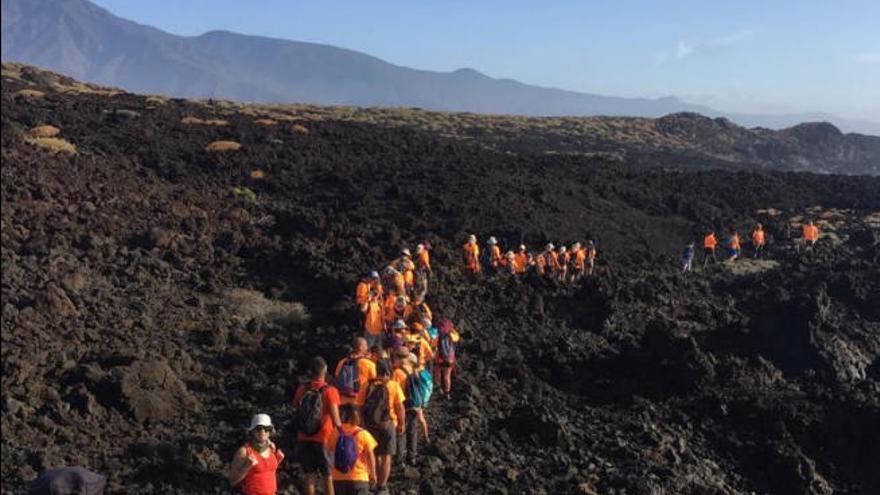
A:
x: 376, y: 405
x: 309, y: 418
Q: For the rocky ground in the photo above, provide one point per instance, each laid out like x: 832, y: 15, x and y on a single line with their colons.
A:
x: 155, y: 295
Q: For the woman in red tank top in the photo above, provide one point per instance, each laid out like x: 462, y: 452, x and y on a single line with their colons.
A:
x: 255, y: 463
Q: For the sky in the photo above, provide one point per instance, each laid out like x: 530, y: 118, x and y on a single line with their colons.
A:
x: 748, y: 56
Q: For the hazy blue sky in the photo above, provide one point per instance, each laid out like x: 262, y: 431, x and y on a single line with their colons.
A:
x: 769, y: 56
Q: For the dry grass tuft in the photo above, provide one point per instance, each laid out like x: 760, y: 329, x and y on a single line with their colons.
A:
x: 258, y: 174
x: 156, y: 101
x: 190, y: 120
x: 216, y: 122
x: 44, y: 131
x: 247, y: 305
x: 265, y: 122
x: 223, y: 146
x: 299, y: 129
x: 53, y: 144
x: 31, y: 93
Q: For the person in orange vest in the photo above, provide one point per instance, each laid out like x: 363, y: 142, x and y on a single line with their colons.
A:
x: 542, y: 262
x: 709, y: 245
x: 509, y: 263
x: 393, y: 309
x: 370, y: 281
x: 471, y: 255
x: 399, y: 263
x: 417, y: 311
x: 758, y: 239
x: 409, y: 275
x: 552, y: 262
x: 494, y: 260
x: 592, y: 253
x: 520, y: 260
x: 811, y: 234
x: 423, y: 259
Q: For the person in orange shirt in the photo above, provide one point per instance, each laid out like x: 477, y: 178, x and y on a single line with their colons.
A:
x: 309, y: 449
x: 394, y: 308
x: 356, y: 365
x: 398, y: 263
x: 579, y: 262
x: 357, y: 478
x: 521, y: 260
x: 405, y: 365
x: 494, y: 261
x: 423, y: 258
x: 471, y: 255
x: 542, y: 261
x: 733, y: 245
x: 255, y: 463
x: 710, y: 242
x: 417, y: 311
x: 385, y: 418
x: 509, y: 263
x: 409, y: 276
x: 811, y: 234
x: 362, y: 292
x: 394, y: 282
x: 758, y: 239
x: 374, y: 319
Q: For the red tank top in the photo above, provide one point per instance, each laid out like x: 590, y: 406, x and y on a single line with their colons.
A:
x: 261, y: 479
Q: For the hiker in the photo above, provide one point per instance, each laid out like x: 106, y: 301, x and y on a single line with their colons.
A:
x: 394, y: 282
x: 420, y: 285
x: 592, y: 253
x: 563, y: 260
x: 737, y: 244
x: 509, y: 262
x: 354, y: 371
x: 471, y: 255
x: 494, y: 260
x: 385, y: 418
x: 811, y: 234
x: 423, y: 258
x: 393, y: 309
x: 396, y: 338
x: 732, y: 245
x: 417, y: 311
x: 417, y: 386
x: 542, y: 262
x: 254, y: 465
x: 447, y: 338
x: 399, y: 262
x: 316, y: 406
x: 521, y: 260
x: 687, y: 257
x: 409, y: 275
x: 709, y: 245
x: 758, y: 239
x: 374, y: 320
x: 362, y: 292
x: 351, y: 450
x: 578, y: 262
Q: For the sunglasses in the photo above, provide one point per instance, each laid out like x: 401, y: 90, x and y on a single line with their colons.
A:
x: 267, y: 429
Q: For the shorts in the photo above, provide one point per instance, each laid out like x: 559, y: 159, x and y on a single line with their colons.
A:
x: 386, y: 438
x: 349, y: 487
x: 310, y: 456
x: 445, y: 364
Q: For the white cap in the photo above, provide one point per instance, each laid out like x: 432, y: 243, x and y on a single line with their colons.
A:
x: 260, y: 420
x: 405, y: 252
x: 492, y: 240
x: 562, y: 249
x: 472, y: 238
x: 549, y: 246
x: 399, y: 324
x: 576, y: 245
x: 522, y: 247
x: 508, y: 254
x: 390, y: 269
x: 427, y: 322
x: 420, y: 248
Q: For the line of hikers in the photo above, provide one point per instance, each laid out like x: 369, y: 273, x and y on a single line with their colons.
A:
x: 733, y: 245
x: 563, y: 264
x: 352, y: 425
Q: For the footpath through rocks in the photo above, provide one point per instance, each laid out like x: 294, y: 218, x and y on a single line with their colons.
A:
x: 157, y: 293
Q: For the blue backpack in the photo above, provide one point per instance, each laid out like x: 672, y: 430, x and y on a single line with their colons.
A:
x: 345, y: 454
x: 347, y: 382
x: 419, y: 387
x: 446, y: 348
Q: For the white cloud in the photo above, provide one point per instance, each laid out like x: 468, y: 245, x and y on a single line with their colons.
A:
x: 867, y: 57
x: 684, y: 49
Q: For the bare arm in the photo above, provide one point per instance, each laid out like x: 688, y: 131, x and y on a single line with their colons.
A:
x: 401, y: 417
x: 334, y: 416
x: 371, y: 465
x: 239, y: 466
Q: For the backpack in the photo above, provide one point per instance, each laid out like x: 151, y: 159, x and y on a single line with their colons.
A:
x: 376, y: 405
x: 309, y: 418
x: 345, y: 454
x: 347, y: 382
x: 446, y: 347
x: 419, y: 387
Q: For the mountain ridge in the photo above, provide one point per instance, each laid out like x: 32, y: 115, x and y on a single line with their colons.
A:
x: 86, y: 41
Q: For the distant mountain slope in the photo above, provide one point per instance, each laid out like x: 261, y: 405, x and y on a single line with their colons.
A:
x: 80, y: 39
